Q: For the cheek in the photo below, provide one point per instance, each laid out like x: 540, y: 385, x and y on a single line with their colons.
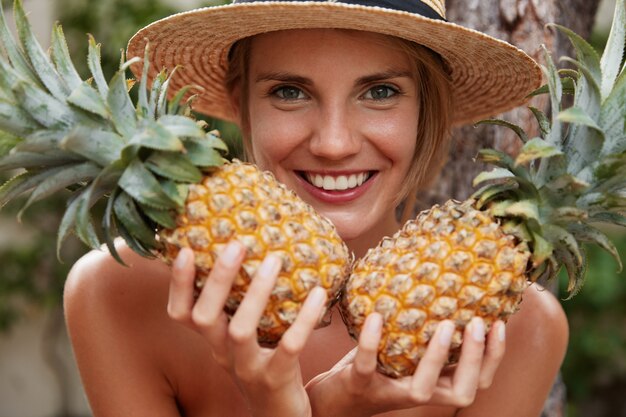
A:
x: 394, y: 133
x: 274, y: 134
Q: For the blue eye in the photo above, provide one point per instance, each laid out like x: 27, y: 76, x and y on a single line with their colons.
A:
x: 380, y: 92
x: 289, y: 93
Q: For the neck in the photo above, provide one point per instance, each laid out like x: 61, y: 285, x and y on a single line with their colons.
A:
x: 360, y: 245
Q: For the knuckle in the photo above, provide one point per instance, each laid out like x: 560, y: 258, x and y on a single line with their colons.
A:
x: 239, y: 334
x: 421, y: 396
x: 362, y: 370
x: 464, y: 400
x: 201, y: 318
x: 485, y: 382
x: 291, y: 345
x: 177, y: 314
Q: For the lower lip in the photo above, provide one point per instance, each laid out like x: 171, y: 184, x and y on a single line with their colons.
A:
x: 337, y: 196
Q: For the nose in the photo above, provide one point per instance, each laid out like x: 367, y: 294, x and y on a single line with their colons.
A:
x: 334, y: 136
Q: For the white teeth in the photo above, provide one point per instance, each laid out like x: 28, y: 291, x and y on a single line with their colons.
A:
x: 329, y: 183
x: 316, y: 180
x: 341, y: 182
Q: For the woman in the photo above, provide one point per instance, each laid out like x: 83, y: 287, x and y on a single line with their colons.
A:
x: 348, y: 105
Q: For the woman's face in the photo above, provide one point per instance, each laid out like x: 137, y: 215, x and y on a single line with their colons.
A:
x: 333, y: 114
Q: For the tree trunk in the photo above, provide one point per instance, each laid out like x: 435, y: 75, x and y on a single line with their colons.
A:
x: 522, y: 23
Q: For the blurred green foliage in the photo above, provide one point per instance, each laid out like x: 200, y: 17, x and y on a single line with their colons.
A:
x: 596, y: 356
x: 31, y: 276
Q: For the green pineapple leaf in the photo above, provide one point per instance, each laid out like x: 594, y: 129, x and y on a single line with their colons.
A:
x: 99, y: 146
x: 612, y: 118
x: 60, y: 55
x: 87, y: 98
x: 44, y: 108
x: 613, y: 54
x: 60, y: 179
x: 126, y: 212
x: 536, y: 149
x: 542, y: 120
x: 109, y: 225
x: 95, y: 67
x: 585, y: 233
x: 121, y: 106
x: 40, y: 62
x: 7, y: 142
x: 578, y: 116
x: 175, y: 166
x: 15, y: 55
x: 141, y: 184
x: 519, y: 131
x: 15, y: 120
x: 155, y: 136
x: 165, y: 218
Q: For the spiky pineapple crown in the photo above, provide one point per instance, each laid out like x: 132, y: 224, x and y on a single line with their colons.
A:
x: 565, y: 183
x: 63, y: 131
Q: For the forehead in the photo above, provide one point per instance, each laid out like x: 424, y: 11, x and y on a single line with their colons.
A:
x: 311, y: 48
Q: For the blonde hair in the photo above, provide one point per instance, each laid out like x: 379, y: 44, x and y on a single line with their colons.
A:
x: 434, y: 116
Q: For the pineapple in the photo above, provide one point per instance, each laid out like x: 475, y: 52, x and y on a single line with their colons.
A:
x: 531, y: 216
x: 166, y: 182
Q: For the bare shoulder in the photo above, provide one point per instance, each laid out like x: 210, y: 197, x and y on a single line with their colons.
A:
x: 536, y: 342
x: 541, y: 320
x: 98, y: 275
x: 116, y: 318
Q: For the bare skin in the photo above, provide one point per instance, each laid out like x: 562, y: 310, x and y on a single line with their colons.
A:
x: 135, y: 360
x: 144, y: 347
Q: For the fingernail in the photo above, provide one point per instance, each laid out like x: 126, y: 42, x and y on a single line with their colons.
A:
x: 501, y: 331
x: 446, y: 329
x: 478, y: 329
x: 374, y: 323
x: 317, y: 297
x: 269, y: 267
x: 182, y: 258
x: 231, y: 253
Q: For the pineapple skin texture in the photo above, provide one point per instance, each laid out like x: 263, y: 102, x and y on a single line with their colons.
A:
x: 451, y: 262
x: 238, y: 201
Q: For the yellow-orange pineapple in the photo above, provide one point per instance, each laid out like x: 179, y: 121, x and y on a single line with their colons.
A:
x: 475, y: 258
x: 166, y: 181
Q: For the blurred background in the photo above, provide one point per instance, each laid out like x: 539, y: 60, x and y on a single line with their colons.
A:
x: 38, y: 377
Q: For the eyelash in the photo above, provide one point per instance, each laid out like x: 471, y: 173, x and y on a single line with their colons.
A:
x: 395, y: 91
x: 276, y: 92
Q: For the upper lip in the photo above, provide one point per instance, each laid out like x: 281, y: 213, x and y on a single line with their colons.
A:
x: 334, y: 173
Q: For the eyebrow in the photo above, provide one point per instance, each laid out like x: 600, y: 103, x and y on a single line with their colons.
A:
x: 384, y: 75
x: 283, y: 77
x: 297, y: 79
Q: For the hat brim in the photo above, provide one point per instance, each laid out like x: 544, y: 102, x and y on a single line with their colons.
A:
x: 488, y: 76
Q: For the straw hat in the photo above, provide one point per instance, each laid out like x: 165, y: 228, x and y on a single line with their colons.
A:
x: 488, y: 75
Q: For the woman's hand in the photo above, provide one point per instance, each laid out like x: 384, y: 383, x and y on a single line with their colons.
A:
x: 270, y: 379
x: 353, y: 387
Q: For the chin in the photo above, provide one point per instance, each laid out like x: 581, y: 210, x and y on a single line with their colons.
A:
x: 348, y: 229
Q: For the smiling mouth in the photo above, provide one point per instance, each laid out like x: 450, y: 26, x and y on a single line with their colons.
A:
x: 336, y: 182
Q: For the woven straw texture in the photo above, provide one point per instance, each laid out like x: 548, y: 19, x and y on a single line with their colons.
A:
x: 488, y: 76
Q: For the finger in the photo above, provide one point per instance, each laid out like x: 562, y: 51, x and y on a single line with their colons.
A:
x: 424, y: 380
x: 365, y: 360
x: 209, y: 308
x: 467, y: 374
x: 180, y: 298
x: 295, y: 338
x: 493, y: 354
x: 243, y: 325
